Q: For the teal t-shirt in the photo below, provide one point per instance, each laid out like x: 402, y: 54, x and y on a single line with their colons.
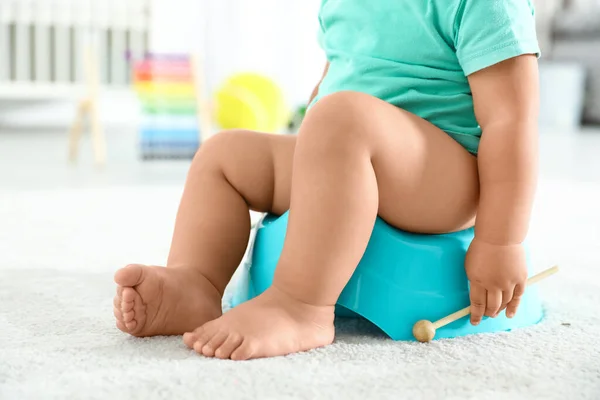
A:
x: 417, y: 54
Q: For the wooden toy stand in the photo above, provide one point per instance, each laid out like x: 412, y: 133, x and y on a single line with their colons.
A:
x: 88, y: 109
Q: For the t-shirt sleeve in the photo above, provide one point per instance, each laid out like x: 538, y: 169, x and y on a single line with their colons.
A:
x: 490, y: 31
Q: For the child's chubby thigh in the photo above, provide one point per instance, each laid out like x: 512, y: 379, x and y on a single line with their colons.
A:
x: 427, y: 182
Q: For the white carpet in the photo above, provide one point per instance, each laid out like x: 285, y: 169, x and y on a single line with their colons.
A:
x: 58, y: 251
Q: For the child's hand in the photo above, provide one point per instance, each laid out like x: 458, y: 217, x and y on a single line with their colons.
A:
x: 498, y: 275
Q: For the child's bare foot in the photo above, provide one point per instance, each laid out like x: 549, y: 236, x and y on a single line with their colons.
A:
x: 273, y: 324
x: 154, y: 301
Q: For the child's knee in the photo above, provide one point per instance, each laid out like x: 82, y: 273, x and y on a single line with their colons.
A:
x: 336, y: 122
x: 216, y: 151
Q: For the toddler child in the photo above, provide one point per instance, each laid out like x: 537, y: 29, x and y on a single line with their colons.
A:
x: 426, y: 115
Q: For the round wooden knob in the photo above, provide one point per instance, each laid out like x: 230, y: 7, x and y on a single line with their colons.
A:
x: 424, y: 331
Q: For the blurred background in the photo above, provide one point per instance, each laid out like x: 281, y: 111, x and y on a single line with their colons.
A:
x: 104, y: 102
x: 157, y: 75
x: 133, y: 85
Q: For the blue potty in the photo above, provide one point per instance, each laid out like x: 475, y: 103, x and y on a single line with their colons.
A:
x: 401, y: 279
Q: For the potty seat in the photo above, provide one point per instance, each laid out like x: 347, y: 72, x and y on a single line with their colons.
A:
x: 402, y: 278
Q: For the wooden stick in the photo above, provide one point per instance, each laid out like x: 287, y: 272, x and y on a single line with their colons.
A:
x: 467, y: 310
x: 98, y: 138
x: 75, y: 131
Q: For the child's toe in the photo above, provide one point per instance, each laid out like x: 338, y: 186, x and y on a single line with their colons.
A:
x: 229, y: 346
x: 214, y: 343
x: 244, y: 351
x: 202, y: 337
x: 127, y: 306
x: 131, y: 275
x: 128, y: 316
x: 198, y: 346
x: 121, y: 326
x: 189, y: 338
x: 129, y: 295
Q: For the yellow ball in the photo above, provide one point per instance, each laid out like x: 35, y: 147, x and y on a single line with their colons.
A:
x: 251, y: 101
x: 424, y: 331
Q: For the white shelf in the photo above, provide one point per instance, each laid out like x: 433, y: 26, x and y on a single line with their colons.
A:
x: 54, y: 91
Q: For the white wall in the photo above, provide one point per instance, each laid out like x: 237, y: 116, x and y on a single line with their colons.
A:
x: 274, y: 37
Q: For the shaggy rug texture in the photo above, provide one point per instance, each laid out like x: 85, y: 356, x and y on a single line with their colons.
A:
x: 59, y: 249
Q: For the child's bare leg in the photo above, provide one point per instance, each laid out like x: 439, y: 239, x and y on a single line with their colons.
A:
x: 356, y: 157
x: 232, y: 172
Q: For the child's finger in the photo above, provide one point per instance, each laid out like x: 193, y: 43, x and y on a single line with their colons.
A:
x: 478, y: 296
x: 506, y: 298
x: 512, y: 307
x: 494, y: 301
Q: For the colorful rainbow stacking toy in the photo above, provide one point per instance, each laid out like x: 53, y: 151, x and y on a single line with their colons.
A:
x: 167, y: 89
